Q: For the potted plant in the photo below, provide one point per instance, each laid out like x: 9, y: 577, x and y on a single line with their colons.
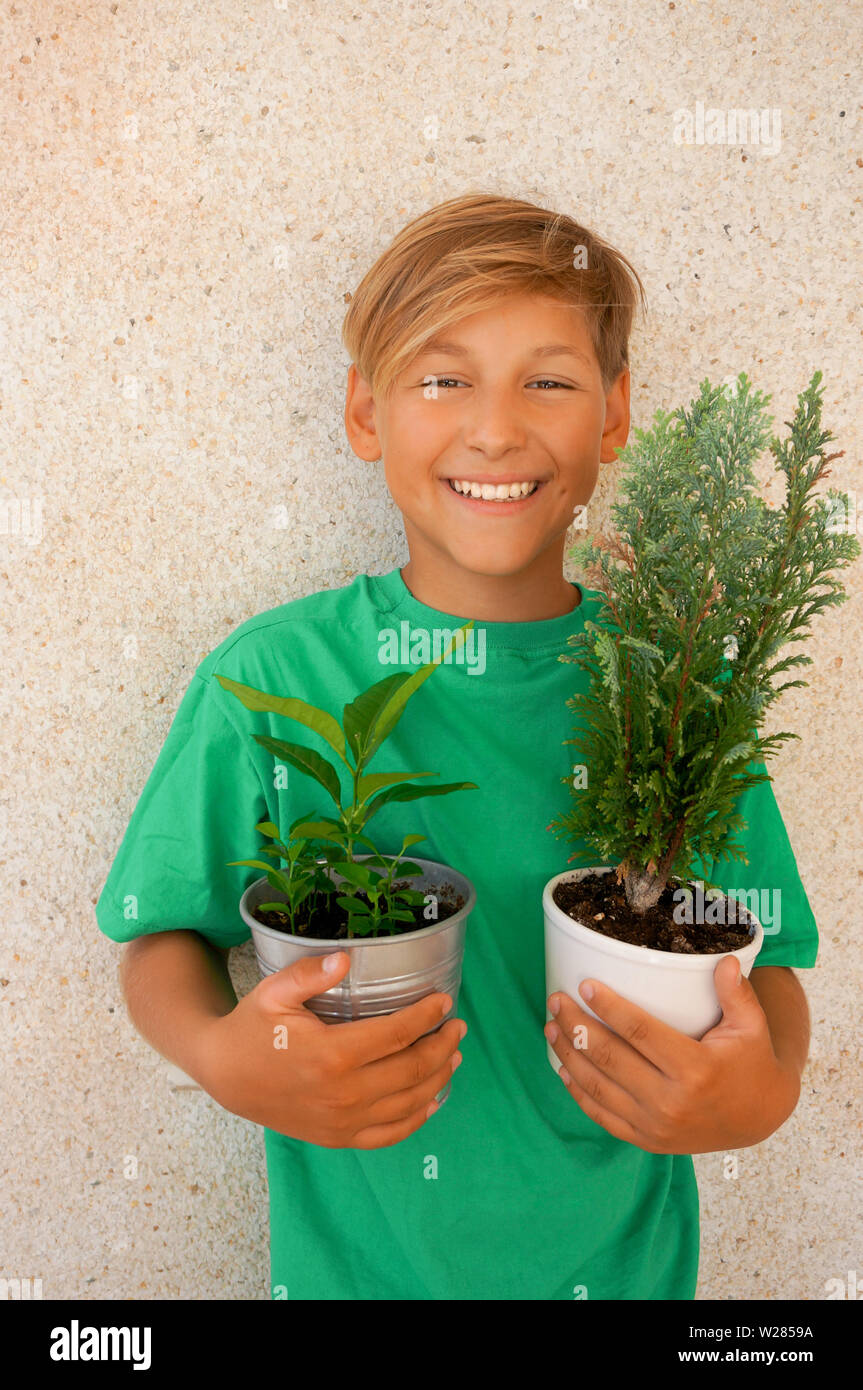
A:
x: 404, y: 942
x: 703, y: 583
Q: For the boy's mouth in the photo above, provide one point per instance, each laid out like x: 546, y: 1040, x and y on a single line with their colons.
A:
x: 490, y: 496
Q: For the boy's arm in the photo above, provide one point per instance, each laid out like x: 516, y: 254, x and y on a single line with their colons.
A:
x: 180, y: 998
x: 781, y: 996
x: 175, y: 982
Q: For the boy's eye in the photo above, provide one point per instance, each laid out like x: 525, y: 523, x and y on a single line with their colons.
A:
x: 546, y: 381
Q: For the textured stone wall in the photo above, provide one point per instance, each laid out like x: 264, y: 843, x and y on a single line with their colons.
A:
x: 190, y: 193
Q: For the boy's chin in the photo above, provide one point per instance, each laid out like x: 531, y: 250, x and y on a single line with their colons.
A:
x: 493, y: 563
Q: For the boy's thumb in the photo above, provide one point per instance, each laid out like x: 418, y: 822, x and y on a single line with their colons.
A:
x: 305, y: 978
x: 733, y: 990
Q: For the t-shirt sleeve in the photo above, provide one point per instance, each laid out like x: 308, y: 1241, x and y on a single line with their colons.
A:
x: 198, y: 810
x: 782, y: 907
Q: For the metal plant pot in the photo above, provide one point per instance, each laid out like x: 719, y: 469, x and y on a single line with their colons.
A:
x: 386, y: 972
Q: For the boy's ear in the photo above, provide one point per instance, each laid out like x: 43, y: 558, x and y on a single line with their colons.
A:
x: 360, y: 417
x: 616, y: 431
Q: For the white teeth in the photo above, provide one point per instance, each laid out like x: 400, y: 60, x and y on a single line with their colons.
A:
x: 493, y: 492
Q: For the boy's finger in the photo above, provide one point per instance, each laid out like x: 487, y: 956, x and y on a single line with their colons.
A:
x: 670, y: 1051
x: 404, y: 1074
x: 420, y: 1087
x: 382, y: 1136
x: 290, y: 987
x: 369, y: 1039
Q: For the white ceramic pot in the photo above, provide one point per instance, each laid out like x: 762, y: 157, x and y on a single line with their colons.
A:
x: 678, y: 989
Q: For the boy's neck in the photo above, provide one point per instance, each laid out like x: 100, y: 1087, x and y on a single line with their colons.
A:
x: 520, y: 598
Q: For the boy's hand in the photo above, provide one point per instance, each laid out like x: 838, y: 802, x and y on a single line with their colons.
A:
x: 360, y: 1085
x: 667, y: 1093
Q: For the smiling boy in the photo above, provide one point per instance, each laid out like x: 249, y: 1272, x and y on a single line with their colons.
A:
x: 489, y: 351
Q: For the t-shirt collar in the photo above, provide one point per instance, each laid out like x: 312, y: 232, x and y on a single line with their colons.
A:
x: 393, y: 598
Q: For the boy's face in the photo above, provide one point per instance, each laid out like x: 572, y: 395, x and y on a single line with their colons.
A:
x: 499, y: 410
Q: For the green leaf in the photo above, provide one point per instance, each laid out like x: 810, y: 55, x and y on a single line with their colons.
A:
x: 379, y: 860
x: 357, y: 873
x: 363, y: 926
x: 406, y: 792
x: 360, y: 715
x: 252, y: 864
x: 740, y: 750
x: 309, y: 715
x: 267, y: 828
x: 304, y: 760
x: 393, y: 708
x: 322, y: 829
x: 714, y: 695
x: 399, y: 915
x: 277, y: 853
x: 309, y: 829
x: 373, y: 782
x: 353, y: 905
x: 329, y: 853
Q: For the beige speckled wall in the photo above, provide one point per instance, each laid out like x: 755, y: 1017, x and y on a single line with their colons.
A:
x: 190, y: 193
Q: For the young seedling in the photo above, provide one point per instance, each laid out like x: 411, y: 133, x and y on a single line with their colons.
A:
x: 302, y: 878
x: 367, y: 722
x: 388, y: 905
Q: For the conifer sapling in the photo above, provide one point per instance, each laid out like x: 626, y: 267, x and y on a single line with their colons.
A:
x: 704, y: 583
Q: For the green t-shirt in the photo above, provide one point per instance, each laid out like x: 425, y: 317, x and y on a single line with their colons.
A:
x: 509, y: 1191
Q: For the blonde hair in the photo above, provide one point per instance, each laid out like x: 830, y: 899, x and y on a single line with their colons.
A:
x: 466, y: 254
